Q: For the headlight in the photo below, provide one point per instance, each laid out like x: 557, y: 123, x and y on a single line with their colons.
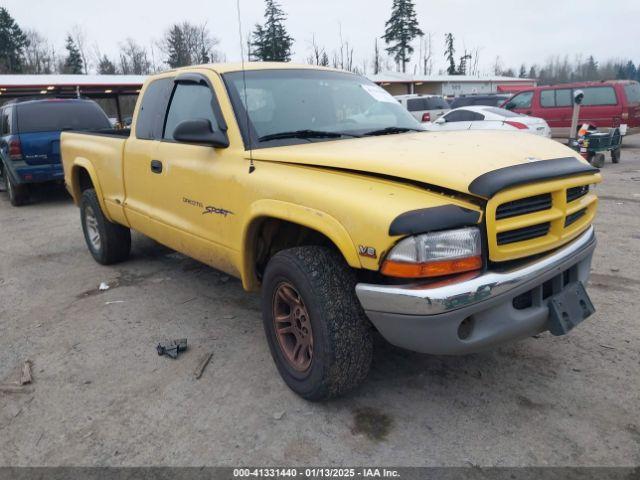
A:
x: 435, y: 254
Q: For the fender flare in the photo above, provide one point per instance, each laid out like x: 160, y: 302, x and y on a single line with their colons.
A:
x: 305, y: 216
x: 83, y: 163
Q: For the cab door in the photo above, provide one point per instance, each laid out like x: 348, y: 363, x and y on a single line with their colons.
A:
x: 192, y: 180
x: 140, y: 151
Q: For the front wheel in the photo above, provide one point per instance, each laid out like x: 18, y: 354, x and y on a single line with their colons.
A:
x: 108, y: 242
x: 318, y: 334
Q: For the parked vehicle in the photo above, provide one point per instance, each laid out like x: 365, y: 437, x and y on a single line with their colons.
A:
x: 613, y: 104
x: 345, y: 221
x: 488, y: 118
x: 30, y: 140
x: 490, y: 100
x: 424, y: 108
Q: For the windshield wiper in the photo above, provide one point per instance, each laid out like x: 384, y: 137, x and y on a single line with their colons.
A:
x: 306, y: 134
x: 392, y: 130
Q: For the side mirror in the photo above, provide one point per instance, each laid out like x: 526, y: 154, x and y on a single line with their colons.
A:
x: 578, y: 96
x: 199, y: 130
x: 510, y: 106
x: 440, y: 121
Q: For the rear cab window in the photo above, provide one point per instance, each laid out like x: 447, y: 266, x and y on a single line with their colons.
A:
x: 153, y: 109
x: 54, y: 116
x: 436, y: 103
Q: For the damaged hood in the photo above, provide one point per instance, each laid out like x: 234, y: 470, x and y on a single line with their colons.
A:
x: 449, y: 160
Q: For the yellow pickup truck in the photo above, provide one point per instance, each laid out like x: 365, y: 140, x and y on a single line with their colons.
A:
x: 315, y: 187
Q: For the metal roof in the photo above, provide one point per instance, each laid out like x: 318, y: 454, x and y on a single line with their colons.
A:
x: 399, y: 77
x: 7, y: 81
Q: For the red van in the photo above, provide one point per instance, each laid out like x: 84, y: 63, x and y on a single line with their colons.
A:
x: 605, y: 105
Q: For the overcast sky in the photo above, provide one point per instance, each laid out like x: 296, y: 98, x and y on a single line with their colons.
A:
x: 519, y: 31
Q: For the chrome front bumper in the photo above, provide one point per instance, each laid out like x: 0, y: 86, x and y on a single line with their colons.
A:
x: 429, y: 318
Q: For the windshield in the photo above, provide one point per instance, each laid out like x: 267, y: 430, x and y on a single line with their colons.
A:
x: 285, y: 101
x: 54, y: 116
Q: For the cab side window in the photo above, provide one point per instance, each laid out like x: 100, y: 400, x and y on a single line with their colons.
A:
x: 5, y: 122
x: 555, y: 98
x: 190, y: 101
x: 522, y: 100
x: 599, y: 96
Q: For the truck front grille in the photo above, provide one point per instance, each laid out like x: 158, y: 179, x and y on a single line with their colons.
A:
x: 522, y: 234
x: 575, y: 193
x: 534, y: 219
x: 523, y: 206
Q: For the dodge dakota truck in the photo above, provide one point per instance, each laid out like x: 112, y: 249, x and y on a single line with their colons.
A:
x: 316, y: 188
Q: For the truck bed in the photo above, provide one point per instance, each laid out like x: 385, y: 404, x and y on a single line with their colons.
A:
x: 97, y: 151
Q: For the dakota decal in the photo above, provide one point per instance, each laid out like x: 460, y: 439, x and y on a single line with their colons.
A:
x: 208, y: 209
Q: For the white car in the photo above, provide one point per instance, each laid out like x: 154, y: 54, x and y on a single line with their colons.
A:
x: 488, y: 118
x: 424, y: 108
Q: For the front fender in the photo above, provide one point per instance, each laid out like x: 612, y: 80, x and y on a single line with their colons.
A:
x: 301, y: 215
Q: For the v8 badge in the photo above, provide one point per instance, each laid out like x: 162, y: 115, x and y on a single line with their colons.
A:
x: 365, y: 251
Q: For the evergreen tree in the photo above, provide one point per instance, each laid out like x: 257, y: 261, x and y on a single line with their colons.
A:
x: 401, y: 29
x: 12, y: 44
x: 106, y: 66
x: 449, y: 54
x: 271, y: 42
x: 177, y: 50
x: 523, y: 71
x: 73, y: 62
x: 630, y: 71
x: 533, y: 72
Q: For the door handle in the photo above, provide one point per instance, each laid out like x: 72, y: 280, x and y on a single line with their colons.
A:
x: 156, y: 166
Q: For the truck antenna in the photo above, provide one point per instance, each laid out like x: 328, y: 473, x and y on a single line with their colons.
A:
x: 252, y: 167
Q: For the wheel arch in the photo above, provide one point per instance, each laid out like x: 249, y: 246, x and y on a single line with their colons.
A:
x: 83, y: 177
x: 312, y: 227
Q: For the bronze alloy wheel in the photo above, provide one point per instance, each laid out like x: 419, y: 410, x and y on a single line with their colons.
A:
x: 293, y: 327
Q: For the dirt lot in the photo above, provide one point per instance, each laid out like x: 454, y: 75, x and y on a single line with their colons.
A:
x: 102, y: 396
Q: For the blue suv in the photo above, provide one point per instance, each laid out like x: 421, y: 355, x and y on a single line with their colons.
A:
x: 30, y: 139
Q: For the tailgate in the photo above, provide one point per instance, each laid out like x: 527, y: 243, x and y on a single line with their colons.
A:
x: 41, y: 148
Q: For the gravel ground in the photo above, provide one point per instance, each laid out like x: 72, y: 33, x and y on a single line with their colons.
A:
x: 102, y: 396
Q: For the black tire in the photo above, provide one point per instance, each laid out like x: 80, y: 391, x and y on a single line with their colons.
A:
x: 18, y: 194
x: 342, y: 345
x: 615, y: 155
x: 113, y: 243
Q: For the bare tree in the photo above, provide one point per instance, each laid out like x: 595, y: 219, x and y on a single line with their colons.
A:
x: 39, y: 56
x: 134, y: 59
x: 377, y: 59
x: 188, y: 44
x: 318, y: 55
x: 79, y: 38
x: 426, y: 54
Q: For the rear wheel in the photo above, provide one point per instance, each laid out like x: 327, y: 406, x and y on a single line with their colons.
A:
x: 18, y: 194
x: 108, y: 242
x: 318, y: 334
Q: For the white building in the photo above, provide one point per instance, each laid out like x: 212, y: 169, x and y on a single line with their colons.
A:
x: 398, y: 83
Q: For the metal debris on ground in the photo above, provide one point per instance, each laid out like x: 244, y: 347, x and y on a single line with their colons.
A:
x: 202, y: 365
x: 13, y: 388
x: 26, y: 378
x: 172, y: 348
